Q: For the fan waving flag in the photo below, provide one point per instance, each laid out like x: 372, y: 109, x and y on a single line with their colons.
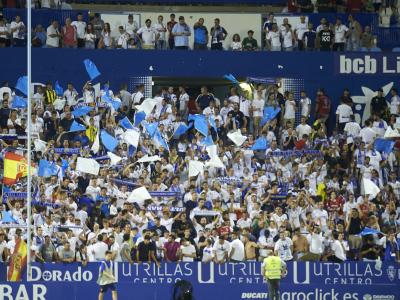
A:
x: 58, y: 88
x: 75, y: 126
x: 22, y: 85
x: 14, y: 166
x: 125, y: 123
x: 200, y: 124
x: 181, y: 129
x: 82, y: 111
x: 18, y: 261
x: 139, y: 117
x: 383, y: 145
x: 91, y: 69
x: 260, y: 144
x: 108, y: 141
x: 19, y: 102
x: 47, y: 168
x: 151, y: 128
x: 270, y: 113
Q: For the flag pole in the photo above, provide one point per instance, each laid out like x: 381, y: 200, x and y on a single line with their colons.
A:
x: 29, y: 146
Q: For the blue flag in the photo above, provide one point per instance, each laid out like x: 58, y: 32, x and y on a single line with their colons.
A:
x: 151, y: 128
x: 211, y: 120
x: 115, y: 104
x: 22, y: 85
x: 367, y: 231
x: 131, y: 150
x: 207, y: 141
x: 260, y: 144
x: 200, y: 123
x: 19, y: 102
x: 191, y: 117
x: 47, y: 168
x: 82, y: 111
x: 58, y: 88
x: 383, y: 145
x: 182, y: 128
x: 231, y: 78
x: 75, y: 126
x: 158, y: 138
x: 126, y: 123
x: 269, y: 113
x: 6, y: 217
x: 91, y: 69
x: 139, y: 117
x: 108, y: 141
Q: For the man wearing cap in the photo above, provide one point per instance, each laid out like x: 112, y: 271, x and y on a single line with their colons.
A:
x: 273, y: 269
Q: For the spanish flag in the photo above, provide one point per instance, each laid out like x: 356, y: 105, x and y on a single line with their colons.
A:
x: 17, y: 262
x: 15, y: 166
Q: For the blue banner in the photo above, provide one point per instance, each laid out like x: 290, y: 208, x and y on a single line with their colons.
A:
x: 305, y: 281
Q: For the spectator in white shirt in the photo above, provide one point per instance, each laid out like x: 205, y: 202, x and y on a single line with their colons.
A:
x: 221, y: 250
x: 394, y: 102
x: 288, y: 38
x: 237, y: 249
x: 80, y: 26
x: 338, y: 248
x: 352, y: 128
x: 18, y: 30
x: 187, y: 252
x: 303, y: 128
x: 161, y: 30
x: 131, y: 27
x: 4, y: 39
x: 98, y: 249
x: 274, y: 39
x: 343, y: 113
x: 183, y: 102
x: 53, y: 36
x: 290, y: 109
x: 299, y: 31
x: 305, y: 104
x: 367, y: 133
x: 340, y: 32
x: 284, y: 247
x: 122, y: 42
x: 149, y: 35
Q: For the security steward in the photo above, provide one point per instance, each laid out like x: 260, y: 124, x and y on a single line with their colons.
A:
x: 274, y: 269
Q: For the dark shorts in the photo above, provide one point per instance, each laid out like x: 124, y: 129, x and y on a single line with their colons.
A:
x: 105, y: 288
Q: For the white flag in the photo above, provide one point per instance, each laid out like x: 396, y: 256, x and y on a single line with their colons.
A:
x: 237, y: 137
x: 96, y: 145
x: 147, y: 106
x: 131, y: 136
x: 370, y: 188
x: 114, y: 159
x: 195, y: 168
x: 147, y: 158
x: 59, y: 104
x: 87, y: 165
x: 139, y: 195
x: 40, y: 145
x: 215, y: 162
x: 212, y: 151
x: 390, y: 133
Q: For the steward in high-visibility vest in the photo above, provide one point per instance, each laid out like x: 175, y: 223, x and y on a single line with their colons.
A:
x: 273, y: 267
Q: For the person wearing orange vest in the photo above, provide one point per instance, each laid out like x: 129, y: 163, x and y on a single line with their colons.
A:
x: 273, y: 269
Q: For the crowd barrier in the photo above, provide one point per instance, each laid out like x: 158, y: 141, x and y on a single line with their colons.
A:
x: 305, y: 281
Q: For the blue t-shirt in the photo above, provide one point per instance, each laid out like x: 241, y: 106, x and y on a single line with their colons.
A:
x: 310, y: 37
x: 200, y: 34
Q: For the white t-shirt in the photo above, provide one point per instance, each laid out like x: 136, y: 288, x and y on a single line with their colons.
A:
x: 207, y: 254
x: 320, y: 216
x: 17, y: 34
x: 239, y: 250
x: 303, y: 129
x: 258, y: 106
x: 80, y: 28
x: 305, y: 106
x: 316, y: 243
x: 394, y: 105
x: 183, y: 101
x: 190, y: 249
x: 283, y: 248
x: 344, y: 111
x: 290, y: 112
x: 52, y: 41
x: 131, y: 28
x: 287, y: 39
x: 4, y: 35
x: 340, y: 32
x: 136, y: 97
x: 352, y: 128
x: 338, y: 250
x: 301, y: 28
x: 221, y: 249
x: 159, y: 27
x: 367, y: 135
x: 274, y: 38
x: 263, y: 241
x: 99, y: 251
x: 148, y: 35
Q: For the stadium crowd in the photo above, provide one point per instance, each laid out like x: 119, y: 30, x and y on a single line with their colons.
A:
x: 174, y: 34
x: 290, y: 183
